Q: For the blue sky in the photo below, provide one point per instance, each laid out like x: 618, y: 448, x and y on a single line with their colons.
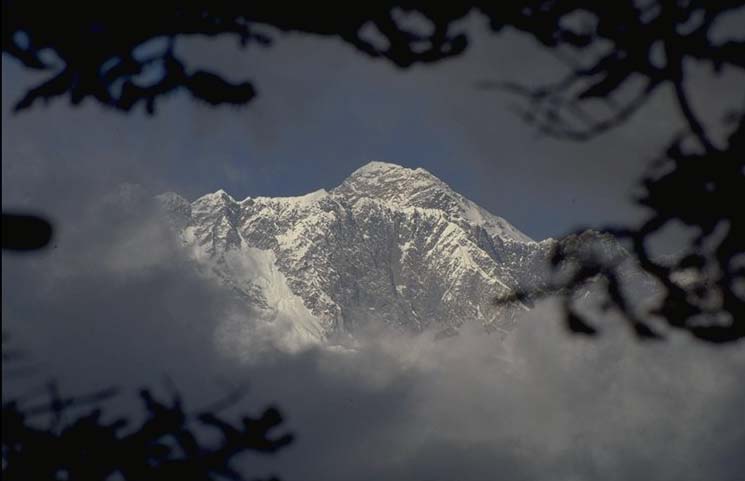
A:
x: 323, y: 111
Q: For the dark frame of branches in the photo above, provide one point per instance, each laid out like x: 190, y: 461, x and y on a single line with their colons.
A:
x: 617, y: 54
x: 608, y: 47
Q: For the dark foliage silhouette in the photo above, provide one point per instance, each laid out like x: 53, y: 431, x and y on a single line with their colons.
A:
x: 48, y: 436
x: 84, y: 446
x: 94, y: 51
x: 704, y: 286
x: 617, y: 55
x: 696, y: 182
x: 69, y: 438
x: 25, y: 232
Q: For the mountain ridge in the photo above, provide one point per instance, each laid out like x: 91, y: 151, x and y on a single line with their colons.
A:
x: 389, y: 248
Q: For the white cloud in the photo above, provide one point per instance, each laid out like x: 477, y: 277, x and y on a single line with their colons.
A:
x: 125, y: 306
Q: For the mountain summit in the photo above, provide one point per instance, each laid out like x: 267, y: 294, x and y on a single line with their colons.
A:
x: 390, y: 248
x: 402, y: 187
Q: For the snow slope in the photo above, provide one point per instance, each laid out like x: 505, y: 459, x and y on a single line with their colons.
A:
x: 391, y: 248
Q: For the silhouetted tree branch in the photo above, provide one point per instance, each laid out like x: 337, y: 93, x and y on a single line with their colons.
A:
x: 25, y: 232
x: 78, y: 443
x: 618, y: 53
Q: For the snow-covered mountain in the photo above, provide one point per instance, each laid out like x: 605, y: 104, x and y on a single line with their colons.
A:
x: 390, y: 248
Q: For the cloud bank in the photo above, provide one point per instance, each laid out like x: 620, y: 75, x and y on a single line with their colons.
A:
x: 119, y: 302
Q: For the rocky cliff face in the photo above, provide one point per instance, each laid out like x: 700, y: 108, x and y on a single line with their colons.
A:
x: 389, y: 248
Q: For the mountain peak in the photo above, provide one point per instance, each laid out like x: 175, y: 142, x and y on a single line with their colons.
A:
x: 388, y: 182
x: 218, y: 196
x: 376, y: 167
x: 402, y: 187
x: 391, y: 172
x: 391, y: 247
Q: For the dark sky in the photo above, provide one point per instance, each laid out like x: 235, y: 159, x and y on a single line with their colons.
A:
x: 117, y: 300
x: 324, y: 110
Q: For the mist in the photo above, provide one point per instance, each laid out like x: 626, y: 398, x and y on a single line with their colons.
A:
x: 119, y: 300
